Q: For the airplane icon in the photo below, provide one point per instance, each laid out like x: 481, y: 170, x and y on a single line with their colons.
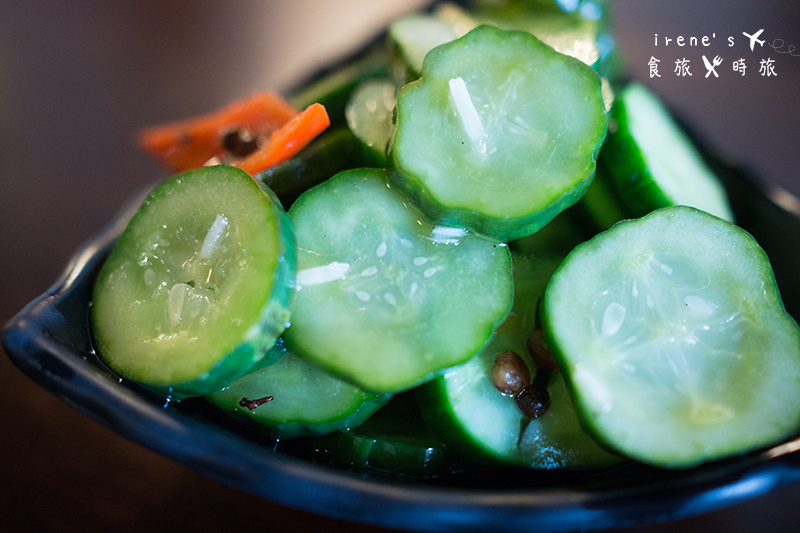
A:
x: 754, y: 39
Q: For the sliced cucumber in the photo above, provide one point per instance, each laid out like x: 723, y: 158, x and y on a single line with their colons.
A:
x: 199, y: 285
x: 499, y: 135
x: 411, y: 38
x: 385, y: 299
x: 394, y: 440
x: 467, y: 412
x: 674, y: 341
x: 653, y: 163
x: 580, y: 30
x: 296, y: 399
x: 588, y: 9
x: 369, y: 117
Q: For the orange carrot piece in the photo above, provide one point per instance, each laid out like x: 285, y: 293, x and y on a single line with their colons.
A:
x: 288, y: 140
x: 190, y: 143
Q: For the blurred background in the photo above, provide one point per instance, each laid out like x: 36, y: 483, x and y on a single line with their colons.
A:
x: 78, y: 78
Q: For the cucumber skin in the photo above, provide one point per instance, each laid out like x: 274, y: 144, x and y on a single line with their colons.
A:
x: 505, y: 229
x: 589, y: 415
x: 601, y: 206
x: 394, y: 440
x: 627, y: 169
x: 433, y: 396
x: 273, y: 319
x: 360, y: 449
x: 558, y: 237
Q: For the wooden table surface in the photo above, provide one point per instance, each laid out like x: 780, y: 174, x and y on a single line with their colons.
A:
x: 77, y: 78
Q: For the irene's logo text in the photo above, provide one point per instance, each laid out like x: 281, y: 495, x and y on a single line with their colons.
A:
x: 694, y: 57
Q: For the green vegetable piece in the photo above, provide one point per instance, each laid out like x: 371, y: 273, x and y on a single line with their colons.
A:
x: 199, y: 285
x: 559, y: 236
x: 386, y: 300
x: 653, y: 163
x: 467, y: 411
x: 673, y: 339
x: 581, y: 31
x: 578, y: 29
x: 296, y: 399
x: 393, y: 441
x: 369, y: 117
x: 411, y: 38
x: 499, y: 135
x: 588, y: 9
x: 601, y: 206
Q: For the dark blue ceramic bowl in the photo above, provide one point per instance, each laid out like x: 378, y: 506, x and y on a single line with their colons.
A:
x: 50, y: 341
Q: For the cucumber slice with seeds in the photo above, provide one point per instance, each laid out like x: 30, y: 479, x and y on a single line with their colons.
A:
x: 385, y: 299
x: 369, y: 117
x: 674, y: 341
x: 199, y: 285
x: 499, y: 135
x: 413, y: 36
